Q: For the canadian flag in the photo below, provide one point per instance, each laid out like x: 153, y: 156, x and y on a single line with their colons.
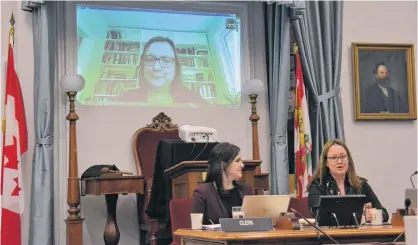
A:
x: 15, y: 143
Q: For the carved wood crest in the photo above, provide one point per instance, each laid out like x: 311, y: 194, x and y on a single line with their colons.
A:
x: 162, y: 122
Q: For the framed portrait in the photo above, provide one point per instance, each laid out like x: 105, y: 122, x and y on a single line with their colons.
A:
x: 384, y: 81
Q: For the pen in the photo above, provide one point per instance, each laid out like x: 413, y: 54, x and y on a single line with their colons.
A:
x: 211, y: 222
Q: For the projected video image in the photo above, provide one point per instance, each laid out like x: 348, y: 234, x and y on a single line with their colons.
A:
x: 143, y: 57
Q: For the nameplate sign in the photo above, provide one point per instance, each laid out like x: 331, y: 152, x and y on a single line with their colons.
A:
x: 245, y: 225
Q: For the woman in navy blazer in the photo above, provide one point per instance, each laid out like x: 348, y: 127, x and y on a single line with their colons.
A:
x: 221, y: 190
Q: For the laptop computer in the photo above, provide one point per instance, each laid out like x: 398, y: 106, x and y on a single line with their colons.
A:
x: 411, y: 193
x: 265, y: 206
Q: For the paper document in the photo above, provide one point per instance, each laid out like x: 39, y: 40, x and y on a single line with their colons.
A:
x: 211, y: 227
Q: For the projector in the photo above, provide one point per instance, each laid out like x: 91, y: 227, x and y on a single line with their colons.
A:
x: 196, y: 134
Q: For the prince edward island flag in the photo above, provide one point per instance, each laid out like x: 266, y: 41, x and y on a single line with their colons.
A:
x: 303, y: 142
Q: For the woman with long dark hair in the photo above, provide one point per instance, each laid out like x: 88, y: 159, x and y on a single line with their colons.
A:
x: 160, y: 77
x: 222, y: 189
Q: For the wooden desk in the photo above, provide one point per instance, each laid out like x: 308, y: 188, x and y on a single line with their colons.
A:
x: 289, y: 237
x: 111, y: 186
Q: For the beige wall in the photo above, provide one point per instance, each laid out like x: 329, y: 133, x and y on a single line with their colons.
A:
x: 24, y: 67
x: 385, y: 152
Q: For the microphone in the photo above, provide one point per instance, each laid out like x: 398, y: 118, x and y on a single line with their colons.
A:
x: 315, y: 226
x: 407, y: 204
x: 410, y: 178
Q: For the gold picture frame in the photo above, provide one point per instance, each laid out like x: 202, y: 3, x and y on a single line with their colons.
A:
x: 384, y: 81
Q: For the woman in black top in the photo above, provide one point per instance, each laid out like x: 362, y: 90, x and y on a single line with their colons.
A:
x: 222, y: 189
x: 336, y: 175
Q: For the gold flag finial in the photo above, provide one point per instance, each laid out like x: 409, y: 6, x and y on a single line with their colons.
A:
x: 12, y: 20
x: 295, y: 48
x: 12, y: 29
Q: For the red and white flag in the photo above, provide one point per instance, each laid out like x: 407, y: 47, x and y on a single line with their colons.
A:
x: 303, y: 138
x: 15, y: 143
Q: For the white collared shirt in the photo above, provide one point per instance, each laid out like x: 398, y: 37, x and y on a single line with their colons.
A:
x: 384, y: 90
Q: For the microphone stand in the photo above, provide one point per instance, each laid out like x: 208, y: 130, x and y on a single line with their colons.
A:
x: 314, y: 226
x: 410, y: 178
x: 397, y: 238
x: 407, y: 204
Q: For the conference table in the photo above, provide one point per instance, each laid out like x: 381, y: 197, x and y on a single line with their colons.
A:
x: 304, y: 236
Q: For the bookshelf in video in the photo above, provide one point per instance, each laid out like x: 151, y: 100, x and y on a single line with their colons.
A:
x: 121, y: 56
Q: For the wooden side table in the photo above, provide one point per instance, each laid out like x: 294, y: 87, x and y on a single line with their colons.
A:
x: 111, y: 185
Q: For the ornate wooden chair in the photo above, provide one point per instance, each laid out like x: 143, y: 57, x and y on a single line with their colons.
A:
x: 145, y: 144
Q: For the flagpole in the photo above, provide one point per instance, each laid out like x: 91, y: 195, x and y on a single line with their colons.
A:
x: 3, y: 121
x: 12, y: 29
x: 11, y: 34
x: 294, y: 184
x: 14, y: 146
x: 303, y: 163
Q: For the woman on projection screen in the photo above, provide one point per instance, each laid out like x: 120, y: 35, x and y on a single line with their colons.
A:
x: 160, y: 77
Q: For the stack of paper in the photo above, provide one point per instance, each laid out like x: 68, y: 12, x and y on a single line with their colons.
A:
x: 211, y: 227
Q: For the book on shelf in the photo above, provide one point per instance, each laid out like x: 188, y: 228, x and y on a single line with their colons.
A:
x: 113, y: 34
x: 192, y: 51
x: 110, y: 73
x: 123, y: 59
x: 122, y: 46
x: 207, y: 91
